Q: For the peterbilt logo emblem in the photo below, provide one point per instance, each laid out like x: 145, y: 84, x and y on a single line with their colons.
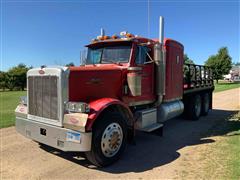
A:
x: 22, y: 109
x: 41, y: 71
x: 73, y: 120
x: 94, y: 81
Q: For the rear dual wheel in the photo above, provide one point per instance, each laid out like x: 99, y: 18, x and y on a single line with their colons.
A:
x: 197, y: 105
x: 205, y: 104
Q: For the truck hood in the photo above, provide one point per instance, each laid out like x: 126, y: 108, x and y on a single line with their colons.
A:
x: 91, y: 82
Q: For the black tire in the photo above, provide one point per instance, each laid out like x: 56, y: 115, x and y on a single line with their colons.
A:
x: 194, y: 106
x: 205, y: 104
x: 96, y: 156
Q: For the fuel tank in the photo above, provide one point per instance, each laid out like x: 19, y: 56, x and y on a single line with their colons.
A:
x: 170, y: 110
x: 91, y: 82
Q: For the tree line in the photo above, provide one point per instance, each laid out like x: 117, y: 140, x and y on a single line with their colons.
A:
x: 15, y: 77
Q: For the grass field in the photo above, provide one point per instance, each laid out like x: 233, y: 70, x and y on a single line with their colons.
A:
x: 8, y: 102
x: 233, y: 142
x: 223, y: 85
x: 224, y: 161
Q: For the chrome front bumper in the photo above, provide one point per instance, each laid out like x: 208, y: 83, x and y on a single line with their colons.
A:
x: 53, y: 136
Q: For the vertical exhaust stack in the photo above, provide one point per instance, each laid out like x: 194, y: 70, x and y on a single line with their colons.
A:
x: 161, y: 30
x: 159, y: 58
x: 102, y: 32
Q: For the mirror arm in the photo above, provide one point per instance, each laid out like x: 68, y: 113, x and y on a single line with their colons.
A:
x: 148, y: 62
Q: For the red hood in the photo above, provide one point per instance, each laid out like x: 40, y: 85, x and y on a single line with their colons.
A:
x: 91, y: 82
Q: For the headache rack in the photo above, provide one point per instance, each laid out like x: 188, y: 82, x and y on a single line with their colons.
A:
x: 197, y: 77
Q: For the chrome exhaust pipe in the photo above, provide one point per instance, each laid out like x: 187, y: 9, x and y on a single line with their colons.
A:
x: 161, y: 30
x: 159, y: 58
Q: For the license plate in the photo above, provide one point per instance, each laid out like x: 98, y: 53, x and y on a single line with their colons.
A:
x: 73, y: 137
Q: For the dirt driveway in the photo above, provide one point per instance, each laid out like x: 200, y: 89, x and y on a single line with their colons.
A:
x: 178, y: 154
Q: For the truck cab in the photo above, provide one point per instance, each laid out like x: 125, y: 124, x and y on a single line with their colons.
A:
x: 118, y: 69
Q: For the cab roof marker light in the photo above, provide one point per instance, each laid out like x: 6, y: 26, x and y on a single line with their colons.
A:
x: 106, y: 37
x: 115, y: 36
x: 129, y: 35
x: 123, y: 33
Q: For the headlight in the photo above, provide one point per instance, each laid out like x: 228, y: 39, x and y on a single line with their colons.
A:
x: 77, y: 107
x: 23, y: 100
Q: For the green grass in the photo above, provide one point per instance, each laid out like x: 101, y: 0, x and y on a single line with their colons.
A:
x: 222, y: 86
x: 225, y: 152
x: 233, y: 142
x: 8, y: 102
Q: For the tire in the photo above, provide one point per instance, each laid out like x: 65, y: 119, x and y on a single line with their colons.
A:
x: 205, y: 104
x: 194, y: 107
x: 108, y: 141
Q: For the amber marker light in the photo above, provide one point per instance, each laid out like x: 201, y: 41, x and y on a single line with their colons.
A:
x: 114, y: 36
x: 128, y: 35
x: 106, y: 37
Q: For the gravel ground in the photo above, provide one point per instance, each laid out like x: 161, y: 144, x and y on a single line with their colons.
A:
x: 178, y: 154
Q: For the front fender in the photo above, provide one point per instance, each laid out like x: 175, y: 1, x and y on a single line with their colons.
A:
x: 98, y: 106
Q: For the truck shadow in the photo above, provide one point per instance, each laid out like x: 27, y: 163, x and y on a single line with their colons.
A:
x: 152, y: 151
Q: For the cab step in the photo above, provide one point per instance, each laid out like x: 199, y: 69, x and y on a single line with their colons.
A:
x: 152, y: 127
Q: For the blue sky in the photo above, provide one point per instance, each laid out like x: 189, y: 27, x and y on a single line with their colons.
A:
x: 54, y: 32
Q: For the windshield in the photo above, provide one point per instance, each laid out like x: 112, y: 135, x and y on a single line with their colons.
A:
x: 110, y: 54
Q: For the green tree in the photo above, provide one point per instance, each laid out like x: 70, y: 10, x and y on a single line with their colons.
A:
x: 16, y: 77
x: 70, y: 64
x: 3, y: 80
x: 187, y: 60
x: 10, y: 81
x: 221, y: 63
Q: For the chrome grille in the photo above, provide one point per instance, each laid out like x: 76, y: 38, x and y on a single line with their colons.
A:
x: 43, y: 96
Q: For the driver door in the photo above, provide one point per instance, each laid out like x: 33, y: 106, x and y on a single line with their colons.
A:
x: 143, y: 60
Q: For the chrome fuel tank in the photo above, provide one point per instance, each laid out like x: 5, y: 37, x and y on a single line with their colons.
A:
x: 170, y: 110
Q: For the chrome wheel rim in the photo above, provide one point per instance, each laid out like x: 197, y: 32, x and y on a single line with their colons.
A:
x: 111, y: 139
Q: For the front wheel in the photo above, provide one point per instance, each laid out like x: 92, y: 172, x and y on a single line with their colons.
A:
x: 108, y: 141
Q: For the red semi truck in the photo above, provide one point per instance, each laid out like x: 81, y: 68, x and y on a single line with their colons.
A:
x: 127, y: 83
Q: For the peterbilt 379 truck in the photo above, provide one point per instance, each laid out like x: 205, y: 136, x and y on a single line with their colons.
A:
x: 127, y: 83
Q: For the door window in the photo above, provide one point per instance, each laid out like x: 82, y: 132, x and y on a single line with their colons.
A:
x: 142, y: 55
